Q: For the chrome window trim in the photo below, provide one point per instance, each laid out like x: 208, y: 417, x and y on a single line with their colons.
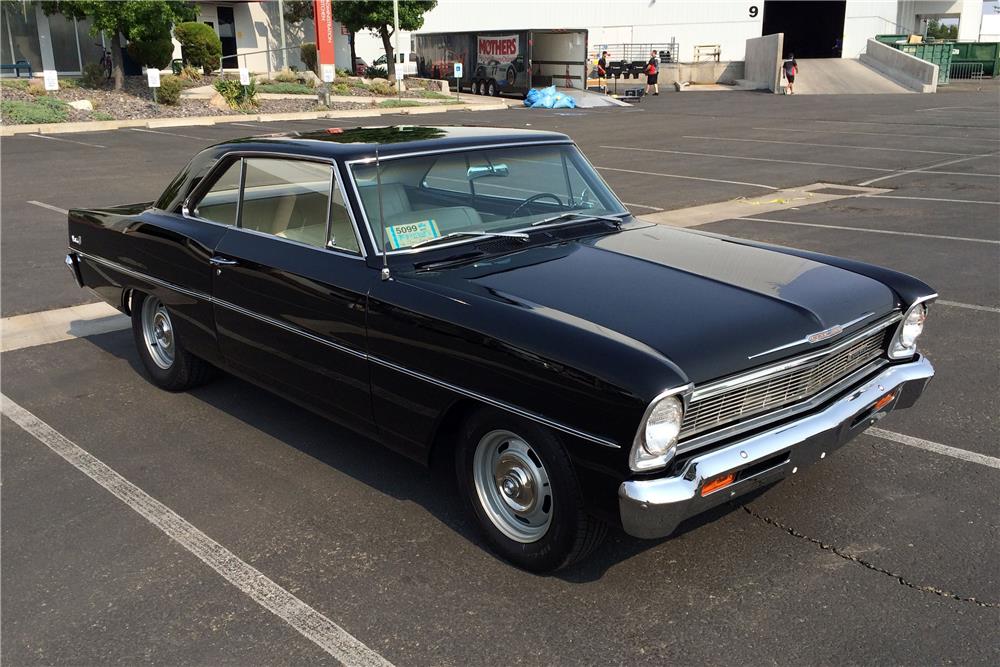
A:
x: 354, y: 352
x: 209, y: 179
x: 369, y: 160
x: 757, y: 375
x: 704, y: 439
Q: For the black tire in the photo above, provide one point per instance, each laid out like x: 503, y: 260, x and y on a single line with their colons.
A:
x: 492, y: 90
x: 571, y: 533
x: 185, y: 371
x: 477, y: 87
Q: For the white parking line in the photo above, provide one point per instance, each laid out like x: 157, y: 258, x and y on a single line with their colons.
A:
x: 865, y: 122
x: 970, y: 306
x: 743, y: 157
x: 873, y: 231
x: 920, y: 443
x: 802, y: 143
x: 874, y: 134
x: 927, y: 169
x: 168, y: 134
x: 48, y: 206
x: 70, y: 141
x: 952, y: 201
x: 313, y: 625
x: 961, y: 109
x: 688, y: 178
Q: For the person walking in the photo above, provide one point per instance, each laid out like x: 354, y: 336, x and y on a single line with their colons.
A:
x: 602, y: 68
x: 790, y: 68
x: 652, y: 73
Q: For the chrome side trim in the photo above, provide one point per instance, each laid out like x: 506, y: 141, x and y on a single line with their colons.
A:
x: 811, y: 338
x: 760, y: 374
x: 356, y: 353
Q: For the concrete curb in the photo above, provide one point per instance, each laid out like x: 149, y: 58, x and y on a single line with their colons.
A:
x: 152, y: 123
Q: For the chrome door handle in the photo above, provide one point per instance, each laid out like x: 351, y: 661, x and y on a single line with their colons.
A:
x: 222, y: 261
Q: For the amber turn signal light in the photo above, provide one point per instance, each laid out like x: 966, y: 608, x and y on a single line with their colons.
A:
x: 884, y: 401
x: 718, y: 483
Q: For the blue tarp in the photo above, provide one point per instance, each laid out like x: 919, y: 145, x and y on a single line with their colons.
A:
x: 548, y: 98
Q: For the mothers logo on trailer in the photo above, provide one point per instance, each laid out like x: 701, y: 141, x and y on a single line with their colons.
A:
x: 502, y: 49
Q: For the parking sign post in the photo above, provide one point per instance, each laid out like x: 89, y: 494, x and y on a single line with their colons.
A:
x: 458, y: 81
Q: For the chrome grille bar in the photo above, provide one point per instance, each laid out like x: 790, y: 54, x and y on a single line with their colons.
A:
x: 772, y: 388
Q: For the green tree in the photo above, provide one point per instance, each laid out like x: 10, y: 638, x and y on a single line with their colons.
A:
x: 939, y: 30
x: 137, y: 20
x: 376, y: 15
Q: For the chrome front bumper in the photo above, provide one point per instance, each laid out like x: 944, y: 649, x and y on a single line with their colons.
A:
x: 655, y: 507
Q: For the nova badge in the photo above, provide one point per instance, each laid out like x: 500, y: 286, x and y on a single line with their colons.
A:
x: 817, y: 337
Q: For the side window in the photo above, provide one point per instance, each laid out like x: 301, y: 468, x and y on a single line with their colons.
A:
x: 342, y: 235
x: 287, y: 198
x: 219, y: 203
x: 449, y: 172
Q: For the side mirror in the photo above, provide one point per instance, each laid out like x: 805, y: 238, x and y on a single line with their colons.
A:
x: 498, y: 169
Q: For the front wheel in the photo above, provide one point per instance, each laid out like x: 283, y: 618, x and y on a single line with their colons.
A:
x: 521, y: 486
x: 169, y: 365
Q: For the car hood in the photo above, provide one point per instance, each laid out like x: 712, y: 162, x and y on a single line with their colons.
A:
x: 711, y: 305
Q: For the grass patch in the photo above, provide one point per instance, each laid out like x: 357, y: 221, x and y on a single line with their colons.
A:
x: 392, y: 104
x: 433, y: 95
x: 100, y: 115
x: 285, y: 87
x: 41, y: 110
x: 15, y: 84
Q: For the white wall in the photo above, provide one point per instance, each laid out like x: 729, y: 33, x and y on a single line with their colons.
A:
x: 863, y: 19
x: 989, y: 31
x: 726, y: 23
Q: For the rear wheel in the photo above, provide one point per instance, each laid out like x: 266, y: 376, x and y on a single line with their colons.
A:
x: 491, y: 89
x: 521, y: 486
x: 169, y: 365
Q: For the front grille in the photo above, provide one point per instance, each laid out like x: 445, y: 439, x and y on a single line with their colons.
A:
x: 781, y: 389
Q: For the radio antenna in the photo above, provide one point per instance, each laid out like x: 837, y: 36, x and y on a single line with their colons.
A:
x: 381, y: 215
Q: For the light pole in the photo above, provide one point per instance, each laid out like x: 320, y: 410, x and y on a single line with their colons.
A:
x: 395, y: 32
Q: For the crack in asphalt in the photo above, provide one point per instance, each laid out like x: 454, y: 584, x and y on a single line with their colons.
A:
x: 871, y: 566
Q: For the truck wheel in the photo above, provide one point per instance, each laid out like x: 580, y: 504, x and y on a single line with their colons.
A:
x: 491, y: 89
x: 521, y: 486
x: 169, y: 365
x: 477, y: 87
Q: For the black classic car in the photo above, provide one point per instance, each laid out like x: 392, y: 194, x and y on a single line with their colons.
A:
x: 481, y: 295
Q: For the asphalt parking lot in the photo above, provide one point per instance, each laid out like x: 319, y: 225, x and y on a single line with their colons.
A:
x: 886, y: 553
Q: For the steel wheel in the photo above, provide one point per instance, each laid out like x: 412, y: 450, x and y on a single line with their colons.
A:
x: 513, y: 486
x: 158, y: 332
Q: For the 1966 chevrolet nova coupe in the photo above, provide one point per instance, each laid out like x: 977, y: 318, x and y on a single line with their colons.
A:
x: 481, y: 294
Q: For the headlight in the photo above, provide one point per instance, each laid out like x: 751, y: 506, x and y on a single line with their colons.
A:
x: 904, y: 343
x: 656, y: 441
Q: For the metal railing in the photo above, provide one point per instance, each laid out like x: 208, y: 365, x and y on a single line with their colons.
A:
x: 966, y: 71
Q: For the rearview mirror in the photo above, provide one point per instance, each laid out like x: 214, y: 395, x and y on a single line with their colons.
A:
x: 498, y: 169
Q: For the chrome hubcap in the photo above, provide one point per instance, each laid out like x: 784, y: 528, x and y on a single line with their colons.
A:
x: 513, y: 486
x: 158, y: 332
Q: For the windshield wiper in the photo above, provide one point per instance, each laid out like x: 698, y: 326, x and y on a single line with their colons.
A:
x: 521, y: 236
x: 615, y: 219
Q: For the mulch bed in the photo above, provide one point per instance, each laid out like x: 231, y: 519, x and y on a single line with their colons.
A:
x: 136, y: 101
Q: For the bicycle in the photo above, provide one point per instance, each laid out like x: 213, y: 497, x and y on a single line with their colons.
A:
x: 107, y: 65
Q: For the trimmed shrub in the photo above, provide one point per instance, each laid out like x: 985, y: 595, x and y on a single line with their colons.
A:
x: 101, y: 115
x: 170, y: 90
x: 377, y: 73
x: 156, y: 53
x: 37, y: 88
x: 238, y: 97
x: 390, y: 104
x: 200, y: 46
x: 307, y: 53
x: 340, y: 89
x: 41, y: 110
x: 286, y: 76
x: 94, y: 76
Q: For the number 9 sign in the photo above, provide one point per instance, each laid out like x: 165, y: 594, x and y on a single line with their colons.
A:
x: 753, y: 11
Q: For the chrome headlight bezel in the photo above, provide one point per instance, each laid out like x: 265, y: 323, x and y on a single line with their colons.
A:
x: 652, y: 451
x: 904, y: 341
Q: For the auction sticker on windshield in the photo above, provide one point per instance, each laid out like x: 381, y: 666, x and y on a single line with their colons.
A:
x: 411, y: 233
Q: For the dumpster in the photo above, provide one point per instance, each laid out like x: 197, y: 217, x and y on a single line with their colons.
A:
x: 985, y: 53
x: 938, y: 53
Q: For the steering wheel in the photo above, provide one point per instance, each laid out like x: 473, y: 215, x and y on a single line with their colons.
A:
x: 533, y: 198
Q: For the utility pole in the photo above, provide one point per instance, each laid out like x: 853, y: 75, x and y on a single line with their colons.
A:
x: 281, y: 27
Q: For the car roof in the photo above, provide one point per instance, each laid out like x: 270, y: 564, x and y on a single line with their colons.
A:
x: 361, y: 142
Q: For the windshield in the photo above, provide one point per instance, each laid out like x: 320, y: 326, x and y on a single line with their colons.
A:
x: 471, y: 193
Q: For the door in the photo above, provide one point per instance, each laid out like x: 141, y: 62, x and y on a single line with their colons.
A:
x: 227, y: 34
x: 290, y: 286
